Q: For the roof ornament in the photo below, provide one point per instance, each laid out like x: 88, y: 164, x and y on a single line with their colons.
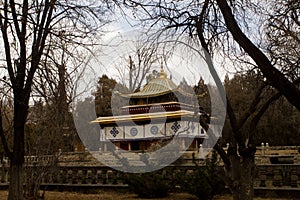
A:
x: 162, y: 73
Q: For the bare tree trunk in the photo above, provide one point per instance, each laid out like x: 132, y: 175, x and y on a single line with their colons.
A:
x: 16, y: 181
x: 239, y: 170
x: 247, y: 178
x: 242, y: 178
x: 17, y: 158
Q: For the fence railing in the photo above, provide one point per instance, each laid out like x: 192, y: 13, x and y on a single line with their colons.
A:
x: 266, y: 176
x: 80, y: 169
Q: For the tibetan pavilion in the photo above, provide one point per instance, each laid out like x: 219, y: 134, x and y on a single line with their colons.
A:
x: 158, y: 112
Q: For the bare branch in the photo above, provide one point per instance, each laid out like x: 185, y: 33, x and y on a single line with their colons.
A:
x: 281, y: 83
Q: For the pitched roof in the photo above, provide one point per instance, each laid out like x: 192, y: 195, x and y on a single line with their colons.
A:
x: 157, y: 87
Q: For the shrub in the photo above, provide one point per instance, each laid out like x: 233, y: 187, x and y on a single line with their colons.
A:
x: 204, y: 181
x: 149, y: 185
x: 197, y: 184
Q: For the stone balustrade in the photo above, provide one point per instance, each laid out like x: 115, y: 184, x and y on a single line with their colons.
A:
x: 81, y: 169
x: 266, y: 176
x: 279, y: 175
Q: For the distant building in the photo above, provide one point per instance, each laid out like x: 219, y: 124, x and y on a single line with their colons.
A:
x: 158, y: 112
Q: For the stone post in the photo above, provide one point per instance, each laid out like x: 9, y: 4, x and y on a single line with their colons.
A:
x: 105, y: 147
x: 182, y: 143
x: 267, y: 148
x: 201, y: 153
x: 262, y: 149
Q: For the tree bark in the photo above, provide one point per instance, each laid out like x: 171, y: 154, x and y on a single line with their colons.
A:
x: 16, y: 181
x: 17, y: 158
x: 241, y: 177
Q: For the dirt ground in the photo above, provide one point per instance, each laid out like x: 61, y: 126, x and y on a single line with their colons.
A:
x: 112, y: 195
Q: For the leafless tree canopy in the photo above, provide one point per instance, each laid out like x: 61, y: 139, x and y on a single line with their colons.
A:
x: 243, y: 33
x: 33, y: 36
x: 283, y: 31
x: 134, y: 68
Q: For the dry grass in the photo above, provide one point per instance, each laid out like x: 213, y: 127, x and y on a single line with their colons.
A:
x: 102, y: 195
x: 117, y: 195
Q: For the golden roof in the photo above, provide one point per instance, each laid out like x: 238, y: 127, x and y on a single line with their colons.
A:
x: 157, y: 87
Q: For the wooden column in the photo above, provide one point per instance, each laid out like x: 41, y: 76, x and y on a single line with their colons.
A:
x: 129, y: 146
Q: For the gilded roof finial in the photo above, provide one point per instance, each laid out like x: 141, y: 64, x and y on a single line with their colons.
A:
x: 162, y: 71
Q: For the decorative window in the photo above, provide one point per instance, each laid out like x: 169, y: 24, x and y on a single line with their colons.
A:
x: 175, y: 127
x: 114, y: 131
x: 202, y: 131
x: 133, y: 131
x: 154, y: 130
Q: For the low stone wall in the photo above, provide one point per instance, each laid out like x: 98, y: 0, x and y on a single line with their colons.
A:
x: 282, y: 176
x: 81, y: 169
x: 279, y: 175
x: 262, y: 156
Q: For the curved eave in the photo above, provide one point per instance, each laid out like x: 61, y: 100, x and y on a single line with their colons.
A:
x: 144, y: 117
x: 159, y: 104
